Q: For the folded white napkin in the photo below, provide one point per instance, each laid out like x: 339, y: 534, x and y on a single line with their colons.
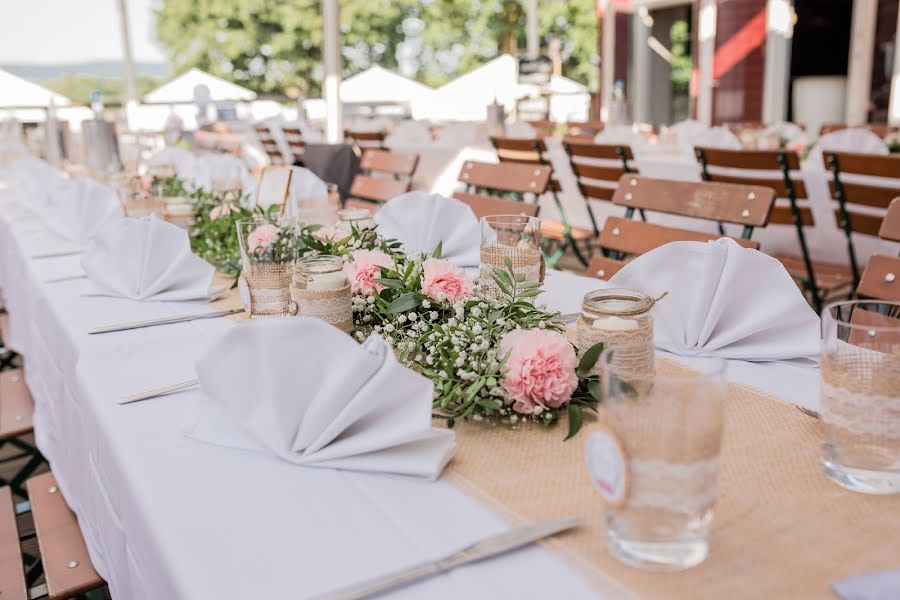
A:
x: 218, y: 172
x: 420, y: 221
x: 77, y: 208
x: 308, y: 393
x: 716, y: 137
x: 794, y: 134
x: 726, y: 301
x: 409, y: 132
x: 181, y: 159
x: 146, y: 259
x: 620, y: 134
x: 846, y: 140
x: 31, y: 181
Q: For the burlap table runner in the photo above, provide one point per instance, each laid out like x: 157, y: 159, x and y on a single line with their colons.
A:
x: 781, y: 530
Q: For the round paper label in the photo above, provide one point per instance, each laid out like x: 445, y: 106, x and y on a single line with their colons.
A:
x: 606, y: 464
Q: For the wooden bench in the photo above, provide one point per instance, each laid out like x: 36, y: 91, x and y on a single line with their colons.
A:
x: 67, y: 566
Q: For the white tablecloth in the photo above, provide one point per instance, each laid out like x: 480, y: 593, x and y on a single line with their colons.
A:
x: 168, y: 517
x: 439, y: 165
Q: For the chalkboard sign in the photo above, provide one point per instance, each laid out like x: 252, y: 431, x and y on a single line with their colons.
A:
x: 536, y: 71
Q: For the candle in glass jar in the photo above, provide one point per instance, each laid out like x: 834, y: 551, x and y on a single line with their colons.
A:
x: 332, y: 280
x: 614, y: 323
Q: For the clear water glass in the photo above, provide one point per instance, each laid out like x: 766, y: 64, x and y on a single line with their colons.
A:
x: 861, y: 395
x: 268, y: 251
x: 513, y: 238
x: 669, y: 425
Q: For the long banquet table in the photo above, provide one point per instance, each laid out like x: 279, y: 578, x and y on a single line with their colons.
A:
x: 165, y: 516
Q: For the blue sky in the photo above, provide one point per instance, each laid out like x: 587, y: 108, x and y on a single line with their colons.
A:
x: 72, y: 31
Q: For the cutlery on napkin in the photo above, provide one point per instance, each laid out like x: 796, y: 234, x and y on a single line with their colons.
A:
x: 724, y: 301
x: 164, y: 321
x: 146, y: 259
x: 306, y: 392
x: 422, y: 221
x: 486, y: 548
x: 76, y: 209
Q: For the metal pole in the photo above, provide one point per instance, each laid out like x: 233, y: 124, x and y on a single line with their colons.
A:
x: 607, y: 59
x: 707, y: 39
x: 777, y: 69
x: 130, y: 82
x: 531, y: 19
x: 862, y: 51
x: 331, y: 53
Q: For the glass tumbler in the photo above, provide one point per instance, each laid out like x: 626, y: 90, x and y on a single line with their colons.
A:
x: 267, y: 254
x: 668, y: 425
x: 510, y: 237
x: 860, y: 410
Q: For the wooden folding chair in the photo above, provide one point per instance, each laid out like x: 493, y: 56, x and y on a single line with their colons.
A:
x: 602, y: 267
x: 485, y: 206
x: 817, y: 279
x: 881, y: 278
x: 16, y: 425
x: 274, y: 186
x: 269, y: 144
x: 850, y: 195
x: 295, y: 142
x: 377, y: 189
x: 394, y: 164
x: 585, y: 128
x: 880, y: 129
x: 63, y: 558
x: 365, y: 139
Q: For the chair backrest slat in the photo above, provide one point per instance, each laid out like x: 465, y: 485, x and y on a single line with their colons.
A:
x: 506, y: 177
x: 637, y: 237
x: 366, y: 139
x: 879, y: 129
x: 585, y: 128
x: 875, y: 165
x: 372, y: 207
x: 863, y: 223
x: 724, y: 202
x: 782, y: 215
x: 598, y: 172
x: 866, y: 195
x: 774, y: 182
x: 881, y: 279
x: 269, y: 144
x: 890, y: 227
x: 377, y: 189
x: 519, y: 150
x: 591, y: 150
x: 764, y: 160
x: 484, y: 206
x: 596, y: 192
x: 603, y: 268
x: 386, y: 161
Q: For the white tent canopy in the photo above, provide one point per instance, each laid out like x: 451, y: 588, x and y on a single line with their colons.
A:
x: 378, y: 85
x: 18, y: 92
x: 181, y: 89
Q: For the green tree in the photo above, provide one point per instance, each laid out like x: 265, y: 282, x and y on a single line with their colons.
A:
x: 272, y: 45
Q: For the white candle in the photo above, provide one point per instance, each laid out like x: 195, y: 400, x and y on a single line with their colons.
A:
x: 614, y: 323
x: 333, y: 280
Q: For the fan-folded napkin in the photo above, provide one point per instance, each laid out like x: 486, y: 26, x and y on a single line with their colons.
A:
x: 146, y: 259
x: 421, y: 221
x: 726, y: 301
x: 306, y: 392
x: 845, y: 140
x: 76, y: 209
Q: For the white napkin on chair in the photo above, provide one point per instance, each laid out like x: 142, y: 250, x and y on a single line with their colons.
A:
x: 420, y: 221
x: 31, y: 181
x: 212, y: 171
x: 716, y: 137
x: 78, y: 208
x: 725, y: 301
x: 146, y: 259
x: 306, y: 392
x: 409, y: 132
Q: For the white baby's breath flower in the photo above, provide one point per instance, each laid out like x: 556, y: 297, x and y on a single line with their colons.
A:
x: 433, y: 315
x: 538, y: 410
x: 389, y: 328
x: 426, y: 303
x: 476, y: 329
x: 413, y: 316
x: 401, y: 319
x: 370, y: 300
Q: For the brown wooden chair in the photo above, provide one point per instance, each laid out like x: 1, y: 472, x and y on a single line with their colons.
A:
x: 880, y: 129
x: 269, y: 144
x: 890, y: 226
x: 377, y: 189
x: 818, y: 279
x: 294, y: 138
x: 543, y: 127
x: 64, y: 559
x: 851, y: 196
x: 365, y: 139
x: 372, y: 207
x: 394, y: 164
x: 603, y: 268
x: 589, y: 174
x: 485, y: 206
x: 16, y: 413
x: 585, y: 128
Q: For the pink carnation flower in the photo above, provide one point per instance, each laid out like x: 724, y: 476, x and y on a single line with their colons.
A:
x: 444, y: 281
x: 221, y: 211
x: 330, y: 234
x: 540, y: 369
x: 364, y: 269
x: 262, y: 237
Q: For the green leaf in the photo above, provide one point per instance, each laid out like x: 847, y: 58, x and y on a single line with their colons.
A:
x: 390, y: 283
x: 501, y: 275
x: 488, y: 403
x: 437, y: 251
x: 404, y: 302
x: 576, y: 418
x: 589, y: 359
x: 593, y: 387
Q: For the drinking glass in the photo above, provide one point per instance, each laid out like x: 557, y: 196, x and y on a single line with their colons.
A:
x: 860, y: 408
x: 669, y: 428
x: 267, y: 253
x: 513, y: 237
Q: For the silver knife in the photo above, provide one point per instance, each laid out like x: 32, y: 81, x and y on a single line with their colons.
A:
x: 164, y: 321
x: 59, y: 254
x: 486, y: 548
x: 169, y: 389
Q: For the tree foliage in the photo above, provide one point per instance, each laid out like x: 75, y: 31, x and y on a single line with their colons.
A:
x: 271, y: 46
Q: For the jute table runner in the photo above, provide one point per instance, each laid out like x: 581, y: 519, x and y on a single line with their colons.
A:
x: 781, y: 530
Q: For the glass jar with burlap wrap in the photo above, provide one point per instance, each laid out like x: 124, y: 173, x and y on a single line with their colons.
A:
x: 512, y: 238
x: 321, y: 290
x: 267, y: 257
x: 621, y: 320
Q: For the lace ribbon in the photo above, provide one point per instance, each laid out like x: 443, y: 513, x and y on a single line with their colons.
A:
x: 525, y: 262
x: 332, y: 306
x: 634, y: 353
x: 861, y: 413
x: 687, y: 488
